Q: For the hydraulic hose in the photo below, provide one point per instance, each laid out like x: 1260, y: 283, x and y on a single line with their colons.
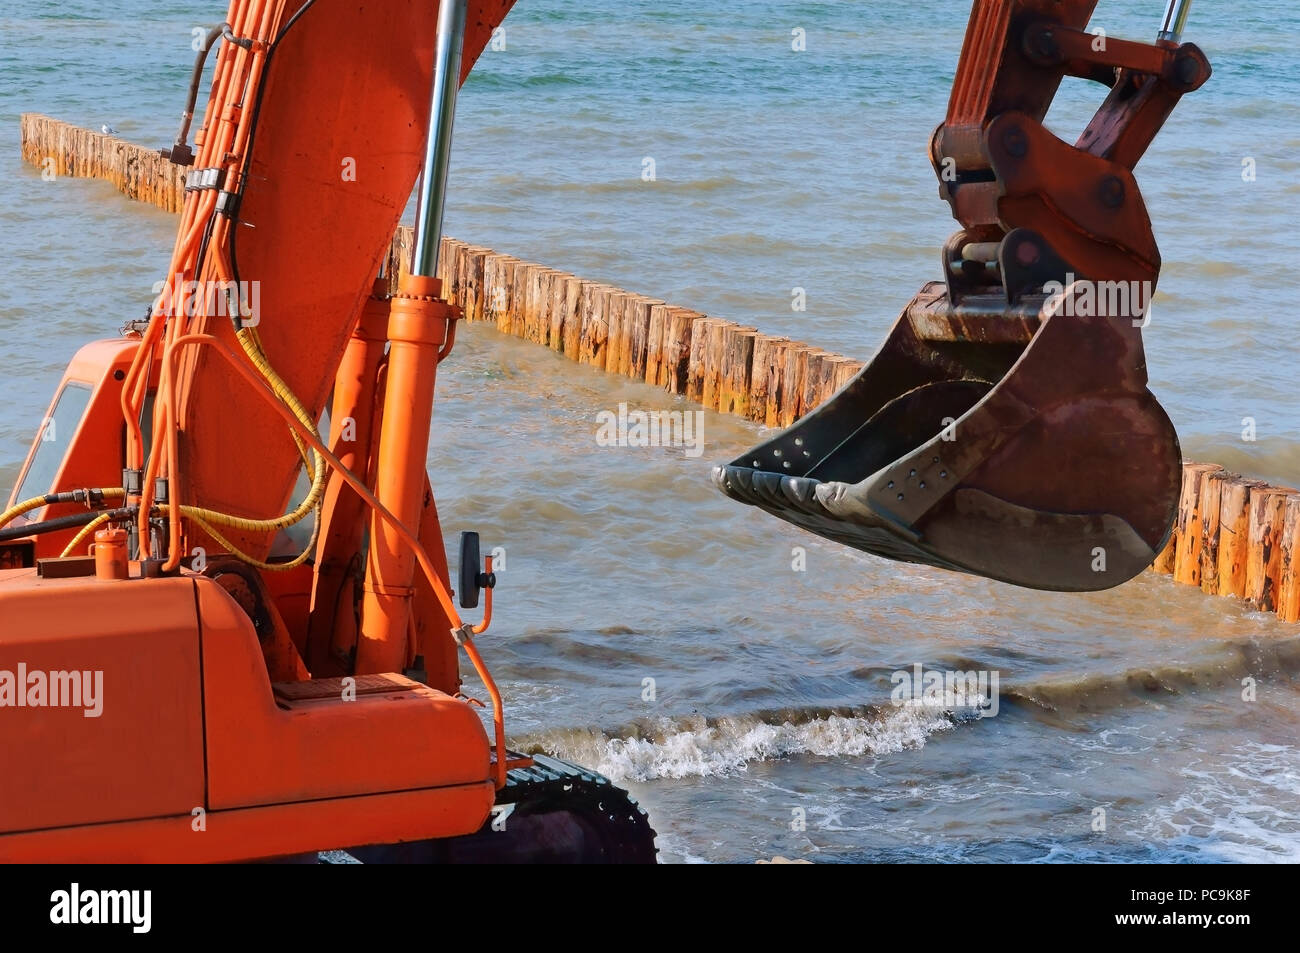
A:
x: 62, y: 522
x: 89, y: 497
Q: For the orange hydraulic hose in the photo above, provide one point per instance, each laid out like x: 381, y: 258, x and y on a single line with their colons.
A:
x: 171, y: 445
x: 498, y: 709
x: 223, y: 135
x: 135, y: 386
x: 193, y: 222
x: 173, y: 469
x: 487, y: 604
x: 450, y: 342
x: 422, y: 558
x: 167, y: 415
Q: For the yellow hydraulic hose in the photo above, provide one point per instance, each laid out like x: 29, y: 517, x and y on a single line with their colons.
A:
x: 209, y: 519
x: 252, y: 348
x: 36, y: 502
x: 26, y: 506
x: 194, y: 513
x: 73, y: 547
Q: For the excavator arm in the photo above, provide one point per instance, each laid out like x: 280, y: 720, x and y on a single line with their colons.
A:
x: 1005, y: 428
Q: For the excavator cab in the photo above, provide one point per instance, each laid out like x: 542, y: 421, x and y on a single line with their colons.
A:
x: 1005, y: 428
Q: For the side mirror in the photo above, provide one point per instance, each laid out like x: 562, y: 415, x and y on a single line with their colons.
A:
x: 471, y: 562
x: 473, y: 580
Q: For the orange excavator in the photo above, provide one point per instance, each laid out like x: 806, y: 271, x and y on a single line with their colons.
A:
x: 185, y: 676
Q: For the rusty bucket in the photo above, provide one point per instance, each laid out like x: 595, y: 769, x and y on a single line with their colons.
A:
x: 1017, y: 444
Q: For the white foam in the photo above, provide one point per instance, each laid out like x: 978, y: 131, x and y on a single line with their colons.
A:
x: 699, y: 749
x: 1227, y: 811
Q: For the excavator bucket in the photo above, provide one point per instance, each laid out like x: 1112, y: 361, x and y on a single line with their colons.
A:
x: 1020, y: 446
x: 1005, y: 428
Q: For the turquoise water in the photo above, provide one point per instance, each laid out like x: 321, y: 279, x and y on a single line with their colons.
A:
x: 774, y: 169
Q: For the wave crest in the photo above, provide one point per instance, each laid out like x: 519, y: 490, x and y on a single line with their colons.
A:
x: 710, y: 747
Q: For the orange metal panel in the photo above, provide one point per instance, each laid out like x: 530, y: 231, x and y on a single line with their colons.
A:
x: 261, y: 752
x: 259, y: 833
x: 93, y: 453
x: 142, y: 755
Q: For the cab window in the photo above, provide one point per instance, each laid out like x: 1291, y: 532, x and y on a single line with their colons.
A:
x: 54, y: 440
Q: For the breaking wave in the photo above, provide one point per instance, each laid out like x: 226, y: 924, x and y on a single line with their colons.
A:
x: 701, y: 746
x: 696, y: 746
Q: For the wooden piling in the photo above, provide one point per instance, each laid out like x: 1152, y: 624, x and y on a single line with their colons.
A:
x: 1209, y: 504
x: 595, y: 329
x: 449, y: 263
x: 571, y: 343
x: 519, y: 298
x: 398, y: 260
x: 1187, y: 558
x: 654, y: 347
x: 697, y: 368
x: 472, y: 282
x: 553, y: 308
x: 1288, y: 587
x: 511, y: 319
x: 819, y: 378
x: 735, y: 369
x: 556, y: 309
x: 679, y: 337
x: 522, y: 300
x: 1234, y: 535
x: 536, y: 284
x: 497, y: 279
x: 714, y: 337
x: 637, y: 318
x: 760, y: 377
x: 616, y: 317
x: 1264, y: 562
x: 777, y: 381
x: 795, y: 383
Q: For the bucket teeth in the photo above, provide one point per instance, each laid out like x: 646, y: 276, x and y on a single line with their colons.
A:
x: 801, y: 492
x: 767, y: 488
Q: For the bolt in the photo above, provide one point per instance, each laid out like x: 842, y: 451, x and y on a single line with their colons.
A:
x: 1014, y: 141
x: 1112, y: 191
x: 1042, y: 44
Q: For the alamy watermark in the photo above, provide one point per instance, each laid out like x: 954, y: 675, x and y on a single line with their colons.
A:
x: 193, y: 299
x: 76, y: 905
x: 1102, y: 299
x: 55, y: 689
x: 963, y: 693
x: 651, y: 428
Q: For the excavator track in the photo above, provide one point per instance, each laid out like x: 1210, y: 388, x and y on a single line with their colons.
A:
x: 549, y: 812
